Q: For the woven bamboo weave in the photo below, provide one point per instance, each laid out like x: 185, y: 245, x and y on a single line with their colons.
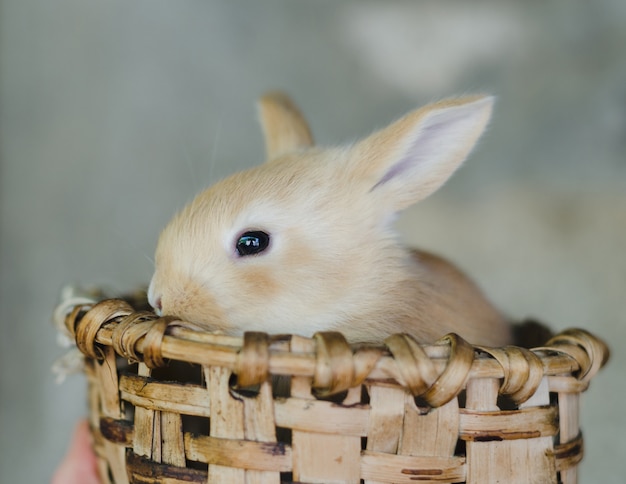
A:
x: 171, y: 404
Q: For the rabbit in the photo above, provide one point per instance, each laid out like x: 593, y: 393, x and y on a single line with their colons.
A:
x: 305, y: 241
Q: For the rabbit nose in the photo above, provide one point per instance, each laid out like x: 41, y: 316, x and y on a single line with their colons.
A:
x: 155, y: 298
x: 156, y: 303
x: 158, y: 306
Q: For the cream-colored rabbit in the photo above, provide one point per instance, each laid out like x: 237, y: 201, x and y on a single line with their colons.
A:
x: 304, y: 242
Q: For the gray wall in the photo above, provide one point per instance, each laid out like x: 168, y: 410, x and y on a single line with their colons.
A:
x: 114, y: 113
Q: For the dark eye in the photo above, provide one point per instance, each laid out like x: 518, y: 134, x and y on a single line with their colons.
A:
x: 252, y: 243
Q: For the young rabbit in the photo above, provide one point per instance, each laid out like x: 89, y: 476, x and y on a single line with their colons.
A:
x: 304, y: 242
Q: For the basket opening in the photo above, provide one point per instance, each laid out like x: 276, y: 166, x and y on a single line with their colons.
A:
x: 337, y: 398
x: 179, y: 372
x: 284, y: 435
x: 287, y: 478
x: 195, y: 425
x: 198, y: 466
x: 505, y: 402
x: 240, y: 392
x: 460, y: 448
x: 422, y: 405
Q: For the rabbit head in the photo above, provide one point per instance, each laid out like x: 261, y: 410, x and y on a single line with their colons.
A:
x: 304, y: 242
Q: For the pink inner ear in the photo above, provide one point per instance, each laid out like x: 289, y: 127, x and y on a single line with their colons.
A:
x: 420, y: 151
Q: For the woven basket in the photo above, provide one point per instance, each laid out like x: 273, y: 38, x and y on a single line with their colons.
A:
x: 169, y: 404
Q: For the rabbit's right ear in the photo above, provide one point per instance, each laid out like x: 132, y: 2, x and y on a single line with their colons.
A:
x: 284, y: 127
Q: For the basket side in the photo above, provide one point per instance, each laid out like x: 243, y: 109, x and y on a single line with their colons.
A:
x: 446, y: 413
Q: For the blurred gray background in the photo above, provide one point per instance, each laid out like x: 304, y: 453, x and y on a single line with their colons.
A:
x: 113, y: 114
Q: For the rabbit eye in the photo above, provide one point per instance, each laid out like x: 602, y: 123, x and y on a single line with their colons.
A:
x: 252, y: 243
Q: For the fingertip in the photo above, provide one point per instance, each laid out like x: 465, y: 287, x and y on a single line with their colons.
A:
x: 79, y: 466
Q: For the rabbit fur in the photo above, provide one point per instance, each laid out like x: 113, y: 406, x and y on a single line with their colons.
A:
x: 333, y: 261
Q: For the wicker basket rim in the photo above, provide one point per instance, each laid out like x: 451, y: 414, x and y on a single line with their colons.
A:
x: 435, y: 372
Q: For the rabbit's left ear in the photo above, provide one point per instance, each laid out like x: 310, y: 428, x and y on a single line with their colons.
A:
x: 284, y: 128
x: 410, y: 159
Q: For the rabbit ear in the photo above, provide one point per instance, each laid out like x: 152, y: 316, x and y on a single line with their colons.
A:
x: 284, y: 127
x: 413, y: 157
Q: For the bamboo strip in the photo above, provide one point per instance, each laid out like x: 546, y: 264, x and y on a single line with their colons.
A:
x: 181, y: 398
x: 538, y: 451
x: 386, y: 418
x: 567, y: 384
x: 569, y: 430
x: 569, y: 454
x: 117, y: 431
x: 173, y: 450
x: 508, y: 424
x: 322, y: 417
x: 144, y: 424
x: 238, y: 453
x: 260, y: 425
x: 318, y: 457
x: 419, y: 426
x: 487, y: 462
x: 106, y: 456
x: 385, y: 425
x: 226, y: 414
x: 110, y: 406
x: 400, y: 469
x: 145, y: 471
